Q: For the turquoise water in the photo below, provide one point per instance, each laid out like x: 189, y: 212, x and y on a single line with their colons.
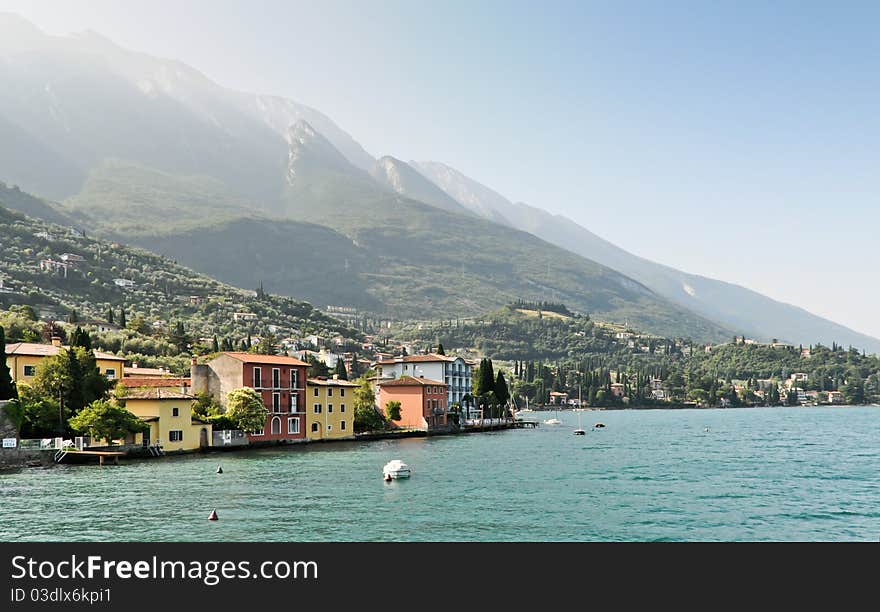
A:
x: 757, y: 474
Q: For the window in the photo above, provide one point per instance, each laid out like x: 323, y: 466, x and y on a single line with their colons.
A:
x: 293, y: 378
x: 341, y: 407
x: 276, y: 403
x: 317, y: 408
x: 329, y: 391
x: 329, y: 426
x: 175, y: 435
x: 175, y: 412
x: 314, y: 427
x: 110, y: 373
x: 260, y: 432
x: 342, y: 425
x: 30, y: 370
x: 276, y: 425
x: 342, y: 392
x: 258, y: 378
x: 316, y: 392
x: 293, y: 402
x: 276, y: 378
x: 293, y: 425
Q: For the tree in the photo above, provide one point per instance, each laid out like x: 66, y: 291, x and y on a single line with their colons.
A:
x: 179, y: 338
x: 317, y: 367
x: 37, y: 415
x: 392, y: 410
x: 215, y: 345
x: 440, y: 350
x: 366, y: 417
x: 205, y: 405
x: 107, y: 420
x: 81, y: 338
x: 73, y: 317
x: 73, y: 376
x: 245, y: 408
x: 267, y: 345
x: 122, y: 322
x: 110, y: 315
x: 340, y: 370
x: 501, y: 391
x: 7, y: 387
x: 854, y: 390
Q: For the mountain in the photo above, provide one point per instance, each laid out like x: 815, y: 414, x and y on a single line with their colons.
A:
x: 72, y: 102
x: 733, y: 306
x: 400, y: 177
x: 150, y: 151
x: 467, y: 192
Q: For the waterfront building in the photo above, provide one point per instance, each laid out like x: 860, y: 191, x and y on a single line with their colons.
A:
x: 455, y: 372
x: 423, y: 402
x: 279, y: 380
x: 23, y: 359
x: 329, y: 408
x: 168, y: 412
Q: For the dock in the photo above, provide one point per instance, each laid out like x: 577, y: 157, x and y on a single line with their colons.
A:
x: 101, y: 455
x: 525, y: 424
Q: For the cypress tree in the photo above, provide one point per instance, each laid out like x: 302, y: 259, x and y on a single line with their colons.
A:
x: 340, y: 370
x: 122, y: 321
x: 7, y: 387
x: 215, y: 346
x: 501, y: 391
x: 110, y: 315
x: 440, y: 350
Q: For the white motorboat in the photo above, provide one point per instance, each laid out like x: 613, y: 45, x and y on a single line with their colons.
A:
x: 396, y: 469
x: 552, y: 422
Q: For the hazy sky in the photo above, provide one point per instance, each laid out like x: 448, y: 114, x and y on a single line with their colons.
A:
x: 739, y: 140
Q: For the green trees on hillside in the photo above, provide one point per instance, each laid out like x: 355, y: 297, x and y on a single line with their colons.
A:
x: 7, y: 387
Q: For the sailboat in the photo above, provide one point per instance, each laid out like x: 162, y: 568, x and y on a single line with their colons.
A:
x: 580, y: 430
x: 555, y: 421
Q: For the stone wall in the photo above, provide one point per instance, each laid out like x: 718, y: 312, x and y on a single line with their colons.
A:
x: 14, y: 457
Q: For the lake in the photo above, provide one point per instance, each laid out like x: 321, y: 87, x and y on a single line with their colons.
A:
x: 756, y: 474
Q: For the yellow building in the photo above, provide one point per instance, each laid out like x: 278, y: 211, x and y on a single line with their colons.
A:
x: 23, y: 359
x: 169, y: 414
x: 329, y: 409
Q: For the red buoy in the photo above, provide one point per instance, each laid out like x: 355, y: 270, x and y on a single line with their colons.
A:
x: 213, y: 516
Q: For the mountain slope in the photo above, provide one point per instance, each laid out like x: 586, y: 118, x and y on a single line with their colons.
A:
x: 78, y: 100
x: 741, y: 309
x: 400, y: 177
x: 467, y: 192
x: 162, y: 289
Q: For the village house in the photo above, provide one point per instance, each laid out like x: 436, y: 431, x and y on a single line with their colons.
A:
x: 125, y: 283
x: 455, y: 372
x: 23, y: 359
x: 329, y: 408
x: 422, y: 402
x: 617, y: 389
x: 279, y: 380
x: 243, y: 316
x: 835, y: 397
x: 168, y: 411
x: 558, y: 398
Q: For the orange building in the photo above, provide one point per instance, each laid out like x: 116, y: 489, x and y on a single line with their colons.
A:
x: 422, y: 402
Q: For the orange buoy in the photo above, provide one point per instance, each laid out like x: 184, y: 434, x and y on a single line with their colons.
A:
x: 213, y: 516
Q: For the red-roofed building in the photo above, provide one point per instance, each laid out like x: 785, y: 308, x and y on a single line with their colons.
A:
x: 279, y: 380
x: 423, y: 402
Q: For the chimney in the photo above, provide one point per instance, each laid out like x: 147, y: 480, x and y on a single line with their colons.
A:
x: 184, y: 388
x: 56, y: 340
x: 336, y: 377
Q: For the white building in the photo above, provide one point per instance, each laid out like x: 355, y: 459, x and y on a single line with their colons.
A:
x: 456, y: 372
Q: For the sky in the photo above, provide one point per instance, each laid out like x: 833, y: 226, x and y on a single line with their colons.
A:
x: 737, y: 140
